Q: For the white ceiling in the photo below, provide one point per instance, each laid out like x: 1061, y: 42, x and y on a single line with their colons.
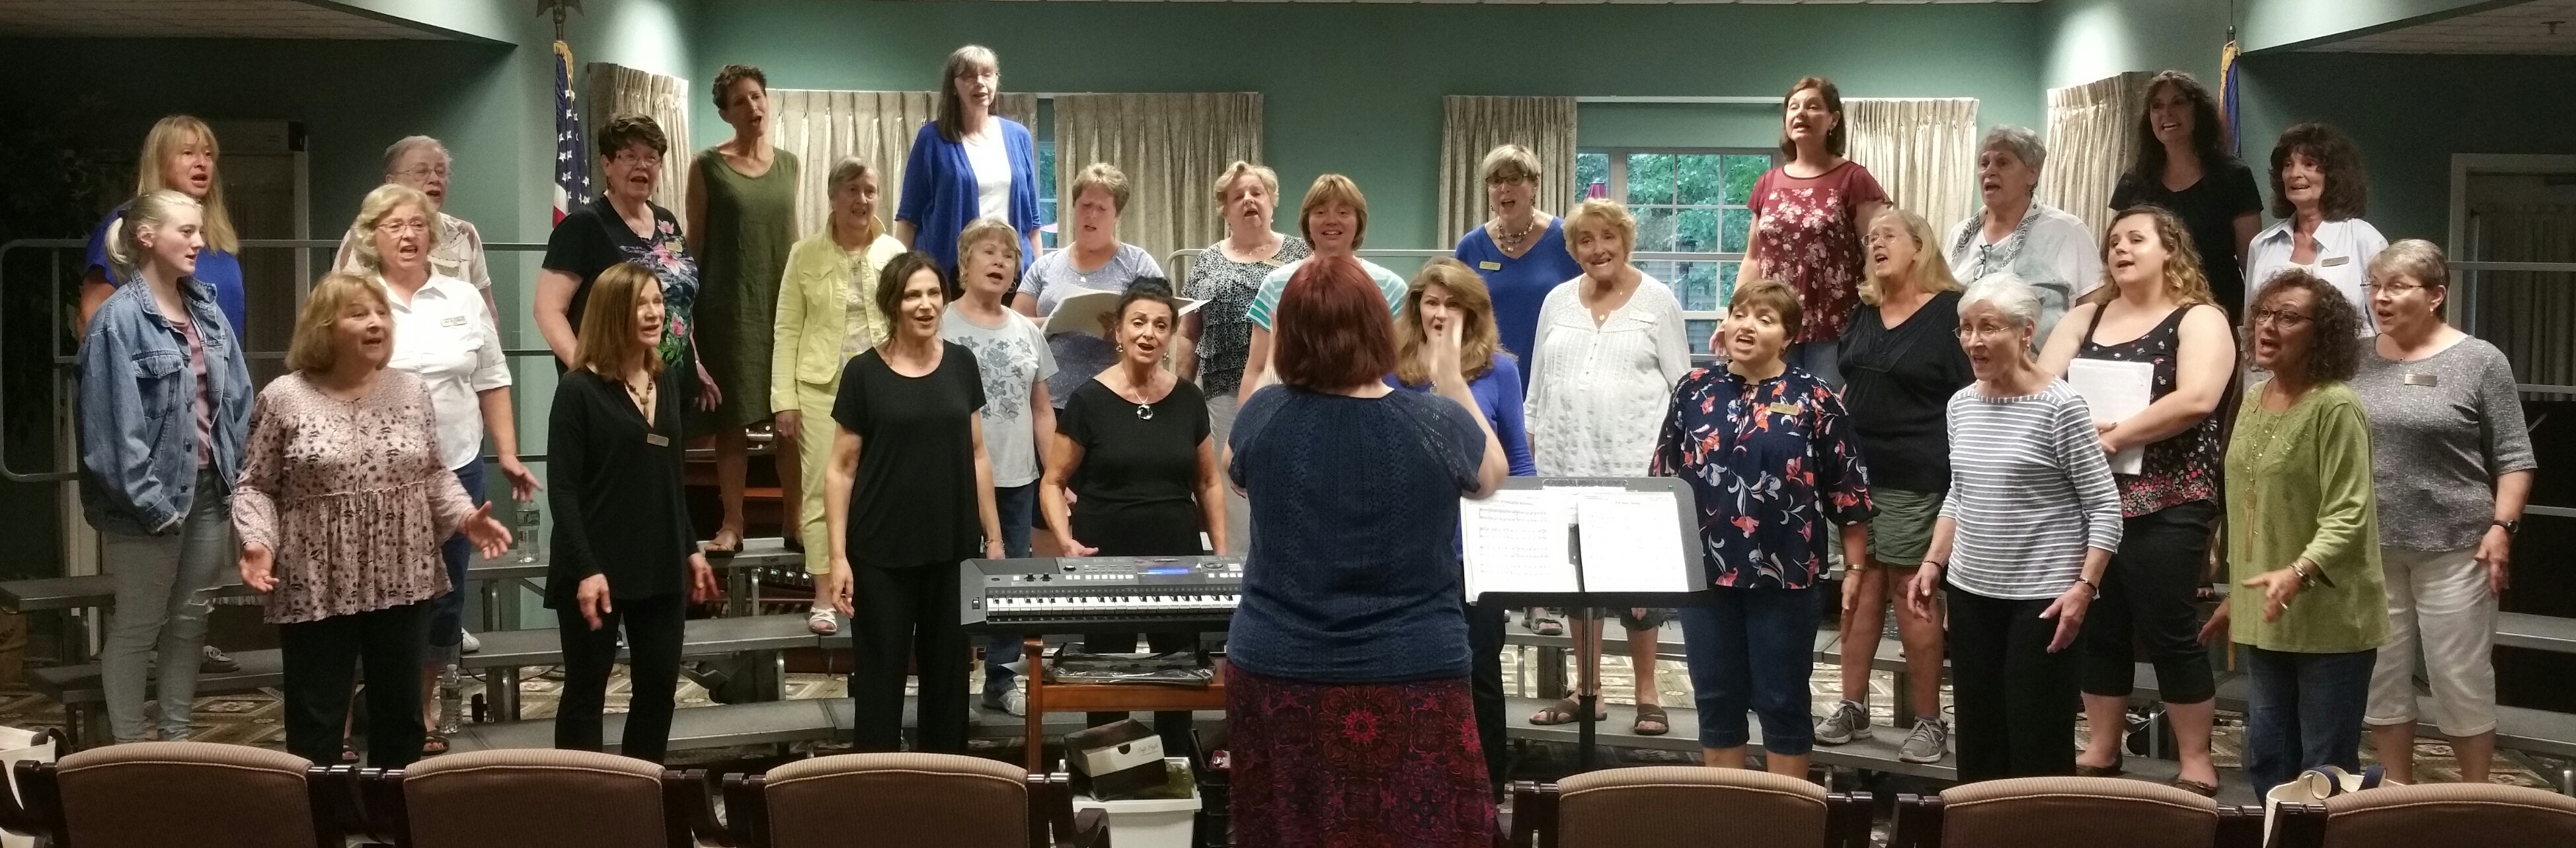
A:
x: 2519, y: 29
x: 193, y: 19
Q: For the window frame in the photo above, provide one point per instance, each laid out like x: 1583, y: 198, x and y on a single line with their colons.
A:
x: 1617, y: 189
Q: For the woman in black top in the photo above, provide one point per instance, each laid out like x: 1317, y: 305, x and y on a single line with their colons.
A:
x: 907, y: 496
x: 1901, y: 362
x: 2181, y: 165
x: 623, y: 552
x: 1132, y: 448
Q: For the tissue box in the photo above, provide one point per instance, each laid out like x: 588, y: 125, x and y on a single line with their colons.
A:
x: 1116, y: 761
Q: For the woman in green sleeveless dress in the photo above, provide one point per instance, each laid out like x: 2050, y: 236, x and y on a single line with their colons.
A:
x: 742, y: 220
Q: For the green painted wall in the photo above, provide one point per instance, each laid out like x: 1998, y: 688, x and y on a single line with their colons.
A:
x: 1356, y: 88
x: 2086, y: 40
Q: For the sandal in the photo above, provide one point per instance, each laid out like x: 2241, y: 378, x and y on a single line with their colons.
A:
x: 821, y: 622
x: 1564, y: 712
x: 1645, y: 713
x: 432, y: 745
x: 2205, y: 790
x: 1544, y: 624
x: 348, y: 754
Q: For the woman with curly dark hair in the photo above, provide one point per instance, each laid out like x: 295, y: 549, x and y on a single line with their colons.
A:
x: 2302, y: 536
x: 2319, y: 191
x: 2182, y: 164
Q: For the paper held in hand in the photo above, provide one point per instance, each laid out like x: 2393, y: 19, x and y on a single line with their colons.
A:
x: 2115, y: 391
x: 1525, y: 540
x: 1083, y: 313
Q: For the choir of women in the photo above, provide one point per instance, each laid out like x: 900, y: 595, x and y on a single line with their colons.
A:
x: 1328, y: 415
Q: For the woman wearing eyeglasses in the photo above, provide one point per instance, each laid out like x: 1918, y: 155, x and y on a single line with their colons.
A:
x: 2302, y: 536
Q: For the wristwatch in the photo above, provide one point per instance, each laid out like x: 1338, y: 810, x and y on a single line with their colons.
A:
x: 2512, y: 526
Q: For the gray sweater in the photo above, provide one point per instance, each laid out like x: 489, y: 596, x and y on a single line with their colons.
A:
x: 2442, y: 429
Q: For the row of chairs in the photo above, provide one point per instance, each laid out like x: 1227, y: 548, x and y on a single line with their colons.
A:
x: 1692, y: 807
x: 232, y: 796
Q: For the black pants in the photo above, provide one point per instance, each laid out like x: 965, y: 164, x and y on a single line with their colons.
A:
x: 908, y: 616
x: 654, y: 632
x: 321, y: 662
x: 1485, y: 688
x: 2015, y: 699
x: 1173, y: 725
x: 2149, y: 599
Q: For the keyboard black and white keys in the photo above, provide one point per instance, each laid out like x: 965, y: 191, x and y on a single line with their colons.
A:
x: 1077, y: 594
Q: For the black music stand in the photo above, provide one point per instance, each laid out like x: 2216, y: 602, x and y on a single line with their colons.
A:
x: 1582, y: 603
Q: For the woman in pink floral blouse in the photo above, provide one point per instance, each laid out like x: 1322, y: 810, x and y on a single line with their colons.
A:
x: 342, y: 505
x: 1808, y: 216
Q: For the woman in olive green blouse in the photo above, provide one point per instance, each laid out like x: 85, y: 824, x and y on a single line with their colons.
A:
x: 2302, y: 536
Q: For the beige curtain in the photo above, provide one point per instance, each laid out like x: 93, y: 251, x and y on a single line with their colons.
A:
x: 1922, y: 150
x: 2091, y: 129
x: 616, y: 89
x: 1472, y: 126
x: 1170, y: 146
x: 2524, y: 312
x: 819, y: 127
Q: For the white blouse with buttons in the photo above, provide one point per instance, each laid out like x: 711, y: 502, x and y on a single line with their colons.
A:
x: 2344, y: 251
x: 1598, y: 391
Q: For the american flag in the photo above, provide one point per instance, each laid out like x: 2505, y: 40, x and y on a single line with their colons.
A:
x: 572, y: 164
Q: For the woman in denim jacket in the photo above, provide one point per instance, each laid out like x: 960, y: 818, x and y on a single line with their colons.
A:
x: 164, y: 408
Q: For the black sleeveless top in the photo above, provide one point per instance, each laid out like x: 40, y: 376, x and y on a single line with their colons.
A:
x: 2180, y: 468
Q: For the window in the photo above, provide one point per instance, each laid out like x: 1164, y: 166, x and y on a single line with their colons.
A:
x: 1686, y: 201
x: 1046, y: 195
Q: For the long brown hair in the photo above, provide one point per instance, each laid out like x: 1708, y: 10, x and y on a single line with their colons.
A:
x: 166, y: 137
x: 2183, y: 277
x: 608, y: 330
x: 1479, y: 341
x: 951, y: 117
x: 2208, y: 127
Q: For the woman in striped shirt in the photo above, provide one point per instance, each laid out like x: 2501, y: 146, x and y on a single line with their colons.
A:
x: 2030, y: 523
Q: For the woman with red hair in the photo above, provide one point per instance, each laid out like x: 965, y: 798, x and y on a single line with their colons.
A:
x: 1350, y: 647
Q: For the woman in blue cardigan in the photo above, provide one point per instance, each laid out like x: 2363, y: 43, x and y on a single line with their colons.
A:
x: 968, y: 163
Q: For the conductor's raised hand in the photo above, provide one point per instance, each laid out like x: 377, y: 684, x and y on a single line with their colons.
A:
x: 593, y: 599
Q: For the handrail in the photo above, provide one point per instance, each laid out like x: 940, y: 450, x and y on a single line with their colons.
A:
x: 1176, y: 260
x: 63, y: 360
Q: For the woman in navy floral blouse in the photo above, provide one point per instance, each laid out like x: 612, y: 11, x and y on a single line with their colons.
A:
x: 1770, y: 457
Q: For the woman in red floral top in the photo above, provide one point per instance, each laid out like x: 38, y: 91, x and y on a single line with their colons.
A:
x: 1807, y: 222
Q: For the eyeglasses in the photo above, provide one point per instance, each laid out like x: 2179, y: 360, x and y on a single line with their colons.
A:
x: 2281, y: 318
x: 2392, y: 288
x: 423, y: 173
x: 1875, y: 239
x: 401, y: 227
x: 649, y: 160
x: 1967, y: 331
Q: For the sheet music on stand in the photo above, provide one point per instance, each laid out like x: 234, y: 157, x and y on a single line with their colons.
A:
x: 1587, y: 536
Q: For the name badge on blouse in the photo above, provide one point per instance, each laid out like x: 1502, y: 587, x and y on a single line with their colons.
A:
x: 657, y: 440
x: 2332, y: 261
x: 1490, y: 265
x: 2425, y: 380
x: 452, y: 321
x: 1789, y: 409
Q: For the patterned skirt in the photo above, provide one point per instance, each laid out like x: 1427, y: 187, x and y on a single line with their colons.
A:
x: 1364, y: 765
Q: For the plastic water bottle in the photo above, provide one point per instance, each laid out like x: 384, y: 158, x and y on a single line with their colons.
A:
x: 451, y: 695
x: 525, y: 538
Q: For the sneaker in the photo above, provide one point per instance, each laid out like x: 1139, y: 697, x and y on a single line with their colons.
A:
x: 1929, y: 742
x: 468, y: 644
x: 1015, y: 700
x: 213, y: 661
x: 1849, y: 721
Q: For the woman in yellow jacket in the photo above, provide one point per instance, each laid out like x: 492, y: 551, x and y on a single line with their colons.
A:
x: 827, y: 313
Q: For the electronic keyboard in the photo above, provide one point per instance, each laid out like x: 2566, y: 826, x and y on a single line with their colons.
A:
x: 1090, y: 594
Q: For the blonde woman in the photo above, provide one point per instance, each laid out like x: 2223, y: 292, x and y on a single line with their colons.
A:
x: 421, y: 163
x: 827, y: 313
x: 159, y: 352
x: 1520, y: 251
x: 1901, y: 364
x: 342, y: 505
x: 1019, y: 413
x: 1608, y: 350
x: 1217, y: 336
x: 443, y: 336
x: 178, y: 155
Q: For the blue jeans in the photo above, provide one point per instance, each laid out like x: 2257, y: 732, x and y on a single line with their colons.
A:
x: 1753, y: 649
x: 2303, y: 711
x: 446, y: 622
x: 1018, y: 508
x: 1823, y: 358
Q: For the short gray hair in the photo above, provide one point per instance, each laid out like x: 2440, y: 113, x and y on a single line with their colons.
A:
x: 2009, y: 294
x: 849, y: 168
x: 2020, y: 141
x: 394, y: 153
